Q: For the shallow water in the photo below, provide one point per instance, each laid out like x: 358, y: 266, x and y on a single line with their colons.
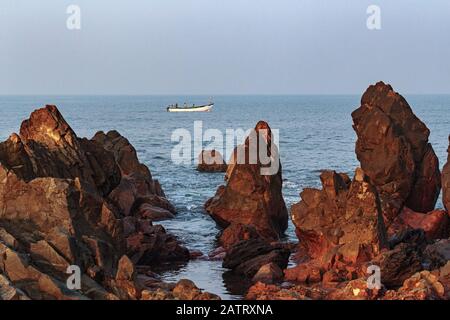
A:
x: 315, y: 133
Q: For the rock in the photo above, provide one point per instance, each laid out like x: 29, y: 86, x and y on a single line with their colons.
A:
x: 343, y: 219
x: 35, y: 284
x: 262, y: 291
x: 437, y: 254
x: 71, y: 201
x: 355, y: 290
x: 124, y: 284
x: 183, y: 290
x: 394, y: 152
x: 251, y: 197
x: 154, y: 213
x: 435, y: 224
x: 155, y: 245
x: 268, y: 273
x: 237, y: 232
x: 421, y: 286
x: 8, y: 292
x: 446, y: 182
x: 125, y: 269
x: 247, y: 257
x: 398, y: 264
x: 124, y: 153
x: 211, y: 161
x: 305, y: 273
x: 217, y: 254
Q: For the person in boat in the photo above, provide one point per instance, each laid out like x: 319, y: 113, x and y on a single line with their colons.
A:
x: 176, y: 105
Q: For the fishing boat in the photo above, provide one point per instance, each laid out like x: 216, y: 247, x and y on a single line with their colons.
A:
x: 193, y: 108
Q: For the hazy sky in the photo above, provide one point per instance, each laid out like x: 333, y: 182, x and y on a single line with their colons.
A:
x: 223, y: 47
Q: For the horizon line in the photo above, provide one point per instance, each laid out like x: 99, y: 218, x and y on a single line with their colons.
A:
x: 203, y: 94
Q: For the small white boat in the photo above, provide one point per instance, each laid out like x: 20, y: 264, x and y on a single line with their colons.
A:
x: 194, y: 108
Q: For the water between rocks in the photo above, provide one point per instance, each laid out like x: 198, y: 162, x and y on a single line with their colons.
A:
x: 315, y: 133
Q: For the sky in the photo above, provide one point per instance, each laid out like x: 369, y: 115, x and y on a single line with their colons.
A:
x: 223, y: 47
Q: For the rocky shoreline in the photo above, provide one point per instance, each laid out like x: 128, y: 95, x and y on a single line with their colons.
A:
x: 70, y: 201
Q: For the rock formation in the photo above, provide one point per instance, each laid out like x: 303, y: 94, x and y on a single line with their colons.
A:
x: 435, y: 224
x: 70, y: 201
x: 211, y: 161
x: 247, y: 257
x: 344, y: 227
x: 237, y: 232
x: 250, y: 197
x: 394, y: 152
x: 343, y: 219
x: 446, y: 182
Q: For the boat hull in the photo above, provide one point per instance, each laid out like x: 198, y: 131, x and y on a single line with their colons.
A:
x: 206, y: 108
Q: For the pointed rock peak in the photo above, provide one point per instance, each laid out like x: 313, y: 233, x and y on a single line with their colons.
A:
x: 47, y: 126
x: 360, y: 176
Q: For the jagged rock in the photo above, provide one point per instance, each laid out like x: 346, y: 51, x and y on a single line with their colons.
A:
x: 268, y: 273
x: 421, y: 286
x: 247, y: 257
x: 211, y: 161
x: 65, y: 201
x: 154, y: 213
x: 250, y: 196
x: 435, y: 224
x: 124, y: 283
x: 355, y: 290
x: 437, y: 254
x: 394, y: 152
x: 8, y: 292
x: 446, y: 182
x: 398, y: 264
x: 154, y: 245
x: 343, y: 219
x: 237, y: 232
x: 27, y: 278
x: 305, y: 273
x: 262, y: 291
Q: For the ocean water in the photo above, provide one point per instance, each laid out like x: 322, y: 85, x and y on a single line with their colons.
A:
x: 315, y: 133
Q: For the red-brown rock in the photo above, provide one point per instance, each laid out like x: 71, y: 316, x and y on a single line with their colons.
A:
x: 237, y: 232
x: 268, y: 273
x: 446, y: 182
x: 341, y: 220
x: 66, y: 200
x: 435, y: 224
x: 394, y: 152
x: 247, y: 257
x: 249, y: 197
x: 211, y: 161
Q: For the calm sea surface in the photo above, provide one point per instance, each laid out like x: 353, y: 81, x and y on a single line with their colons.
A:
x: 315, y: 133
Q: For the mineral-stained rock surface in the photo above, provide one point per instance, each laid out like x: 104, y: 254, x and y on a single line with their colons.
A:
x: 70, y: 201
x: 446, y: 182
x: 343, y: 219
x: 248, y: 256
x: 394, y: 152
x: 252, y: 194
x: 237, y: 232
x: 211, y: 161
x: 436, y: 223
x: 383, y: 219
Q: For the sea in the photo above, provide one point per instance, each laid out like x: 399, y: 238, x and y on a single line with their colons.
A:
x: 315, y: 133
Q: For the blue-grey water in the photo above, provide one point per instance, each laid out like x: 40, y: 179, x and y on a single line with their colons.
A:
x: 315, y: 133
